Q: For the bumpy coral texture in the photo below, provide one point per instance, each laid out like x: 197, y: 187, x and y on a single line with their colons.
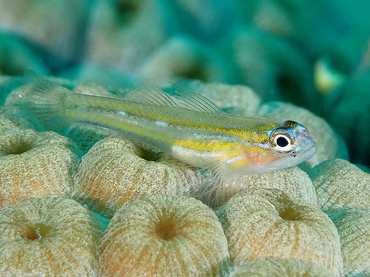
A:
x: 35, y: 165
x: 340, y: 184
x: 265, y: 223
x: 85, y: 135
x: 281, y: 268
x: 9, y: 123
x: 354, y: 231
x: 164, y: 236
x: 294, y: 181
x: 49, y: 237
x: 116, y: 171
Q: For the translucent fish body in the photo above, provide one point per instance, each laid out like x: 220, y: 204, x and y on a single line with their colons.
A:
x: 195, y: 132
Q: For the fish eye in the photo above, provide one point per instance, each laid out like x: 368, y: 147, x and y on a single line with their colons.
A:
x: 282, y: 140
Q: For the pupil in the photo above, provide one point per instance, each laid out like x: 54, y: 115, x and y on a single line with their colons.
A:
x: 282, y: 142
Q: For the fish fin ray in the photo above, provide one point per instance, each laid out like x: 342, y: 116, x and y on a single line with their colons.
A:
x: 213, y: 179
x: 192, y: 100
x: 219, y: 172
x: 149, y: 94
x: 43, y: 99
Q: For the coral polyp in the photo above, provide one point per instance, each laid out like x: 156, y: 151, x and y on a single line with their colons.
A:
x: 340, y: 185
x: 35, y: 165
x: 354, y: 231
x: 49, y: 237
x: 266, y: 223
x: 164, y: 236
x: 116, y: 171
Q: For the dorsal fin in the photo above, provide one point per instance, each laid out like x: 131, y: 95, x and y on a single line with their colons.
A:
x: 148, y: 94
x: 179, y: 97
x: 192, y: 100
x: 38, y: 83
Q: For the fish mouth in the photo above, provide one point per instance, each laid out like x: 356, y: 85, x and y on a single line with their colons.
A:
x: 301, y: 157
x: 312, y: 151
x: 308, y: 153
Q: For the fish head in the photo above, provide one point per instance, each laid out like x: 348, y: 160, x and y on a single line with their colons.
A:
x: 287, y: 145
x: 291, y: 144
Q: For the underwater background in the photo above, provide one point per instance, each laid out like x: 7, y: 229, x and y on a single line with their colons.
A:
x: 314, y: 54
x: 306, y: 60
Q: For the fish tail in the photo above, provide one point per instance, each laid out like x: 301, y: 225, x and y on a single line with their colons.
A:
x: 44, y: 100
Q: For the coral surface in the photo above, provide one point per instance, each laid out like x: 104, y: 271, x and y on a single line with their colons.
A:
x: 35, y: 165
x: 281, y: 268
x: 49, y: 237
x: 266, y: 223
x: 116, y: 171
x: 164, y: 236
x: 340, y: 185
x: 353, y: 227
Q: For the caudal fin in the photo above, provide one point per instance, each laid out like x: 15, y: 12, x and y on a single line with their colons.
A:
x: 41, y: 99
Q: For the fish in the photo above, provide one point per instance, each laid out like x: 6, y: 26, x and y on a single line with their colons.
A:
x: 183, y: 124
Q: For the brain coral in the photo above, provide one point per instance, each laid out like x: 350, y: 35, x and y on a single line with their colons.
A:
x: 35, y: 165
x: 48, y: 237
x: 266, y: 223
x: 164, y: 236
x: 115, y: 171
x: 340, y: 184
x: 281, y: 268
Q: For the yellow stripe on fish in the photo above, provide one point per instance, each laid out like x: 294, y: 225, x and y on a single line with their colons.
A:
x: 185, y: 125
x: 220, y: 145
